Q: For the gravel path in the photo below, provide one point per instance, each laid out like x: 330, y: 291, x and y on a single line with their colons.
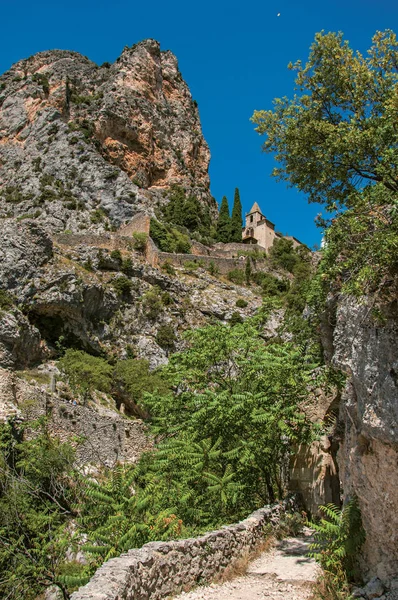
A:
x: 283, y: 573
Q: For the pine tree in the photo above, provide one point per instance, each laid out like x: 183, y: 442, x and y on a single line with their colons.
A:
x: 224, y: 222
x: 236, y: 220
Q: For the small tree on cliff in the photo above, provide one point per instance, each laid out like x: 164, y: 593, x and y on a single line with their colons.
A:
x: 224, y: 222
x: 236, y: 219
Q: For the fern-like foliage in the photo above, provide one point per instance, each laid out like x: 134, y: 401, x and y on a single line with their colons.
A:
x: 338, y: 539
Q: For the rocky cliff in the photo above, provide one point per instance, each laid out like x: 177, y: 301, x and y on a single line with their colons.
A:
x: 365, y: 348
x: 86, y: 147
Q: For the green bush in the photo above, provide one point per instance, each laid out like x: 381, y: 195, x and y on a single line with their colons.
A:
x: 123, y: 285
x: 6, y: 300
x: 140, y: 240
x: 168, y: 268
x: 166, y: 337
x: 97, y: 216
x: 133, y: 378
x: 213, y: 269
x: 241, y: 303
x: 127, y: 266
x: 237, y: 276
x: 338, y: 539
x: 235, y: 319
x: 86, y: 372
x: 152, y: 303
x: 283, y: 255
x: 116, y: 255
x: 169, y: 239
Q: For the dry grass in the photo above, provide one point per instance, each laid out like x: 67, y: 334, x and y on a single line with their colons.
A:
x: 239, y: 567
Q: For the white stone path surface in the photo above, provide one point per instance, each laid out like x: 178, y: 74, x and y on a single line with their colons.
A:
x: 283, y: 573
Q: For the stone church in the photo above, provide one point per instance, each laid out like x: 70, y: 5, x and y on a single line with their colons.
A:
x: 261, y: 231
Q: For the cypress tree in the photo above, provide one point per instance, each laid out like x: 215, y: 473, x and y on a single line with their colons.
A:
x: 236, y: 220
x: 224, y: 222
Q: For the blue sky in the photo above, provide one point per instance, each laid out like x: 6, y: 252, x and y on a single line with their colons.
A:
x: 233, y: 56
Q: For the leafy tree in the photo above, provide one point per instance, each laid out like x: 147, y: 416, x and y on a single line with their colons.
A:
x: 169, y: 239
x: 282, y: 254
x: 115, y: 517
x: 36, y: 502
x: 85, y: 372
x: 224, y: 222
x: 338, y: 135
x: 132, y: 379
x: 233, y: 389
x: 236, y: 218
x: 336, y: 140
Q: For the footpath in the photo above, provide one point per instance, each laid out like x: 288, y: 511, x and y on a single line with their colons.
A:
x: 283, y: 573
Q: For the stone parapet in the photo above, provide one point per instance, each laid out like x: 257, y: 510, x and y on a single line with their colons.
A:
x: 161, y: 569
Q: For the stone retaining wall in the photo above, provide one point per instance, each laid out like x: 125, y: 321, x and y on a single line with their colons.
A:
x: 161, y: 569
x: 105, y: 436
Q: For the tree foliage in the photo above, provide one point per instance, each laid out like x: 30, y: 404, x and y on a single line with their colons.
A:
x: 236, y: 219
x: 235, y: 393
x: 36, y: 503
x: 337, y: 141
x: 224, y: 222
x: 338, y: 134
x: 338, y: 539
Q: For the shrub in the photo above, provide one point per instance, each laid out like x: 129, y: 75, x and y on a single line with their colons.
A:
x: 133, y: 378
x: 338, y: 539
x: 97, y: 216
x: 166, y: 337
x: 271, y: 285
x: 235, y: 319
x: 283, y: 255
x: 240, y: 303
x: 169, y: 239
x: 127, y: 266
x: 123, y: 285
x: 85, y: 372
x: 213, y: 269
x: 6, y: 300
x: 152, y: 303
x: 237, y: 276
x: 168, y: 268
x: 116, y: 255
x: 139, y: 241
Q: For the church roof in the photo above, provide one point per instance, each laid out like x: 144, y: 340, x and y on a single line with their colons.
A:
x: 255, y: 208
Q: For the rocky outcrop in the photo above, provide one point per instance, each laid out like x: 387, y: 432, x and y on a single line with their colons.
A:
x: 86, y: 147
x: 365, y: 348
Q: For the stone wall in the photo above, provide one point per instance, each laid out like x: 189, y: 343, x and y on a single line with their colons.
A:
x: 108, y: 241
x: 106, y: 436
x: 140, y: 223
x: 161, y: 569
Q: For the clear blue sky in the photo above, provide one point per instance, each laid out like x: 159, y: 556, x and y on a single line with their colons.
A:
x: 233, y: 56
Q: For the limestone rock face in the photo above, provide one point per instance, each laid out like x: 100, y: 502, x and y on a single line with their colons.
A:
x: 368, y: 457
x: 86, y: 147
x: 24, y: 248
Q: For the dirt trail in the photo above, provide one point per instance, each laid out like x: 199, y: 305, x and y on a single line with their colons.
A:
x: 283, y: 573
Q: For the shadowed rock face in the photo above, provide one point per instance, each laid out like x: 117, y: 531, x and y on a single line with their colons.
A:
x: 367, y: 351
x: 76, y: 138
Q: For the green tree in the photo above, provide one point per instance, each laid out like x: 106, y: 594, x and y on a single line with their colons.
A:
x: 233, y: 388
x: 338, y: 135
x: 86, y: 373
x: 224, y: 222
x: 37, y: 495
x: 236, y: 219
x: 337, y: 141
